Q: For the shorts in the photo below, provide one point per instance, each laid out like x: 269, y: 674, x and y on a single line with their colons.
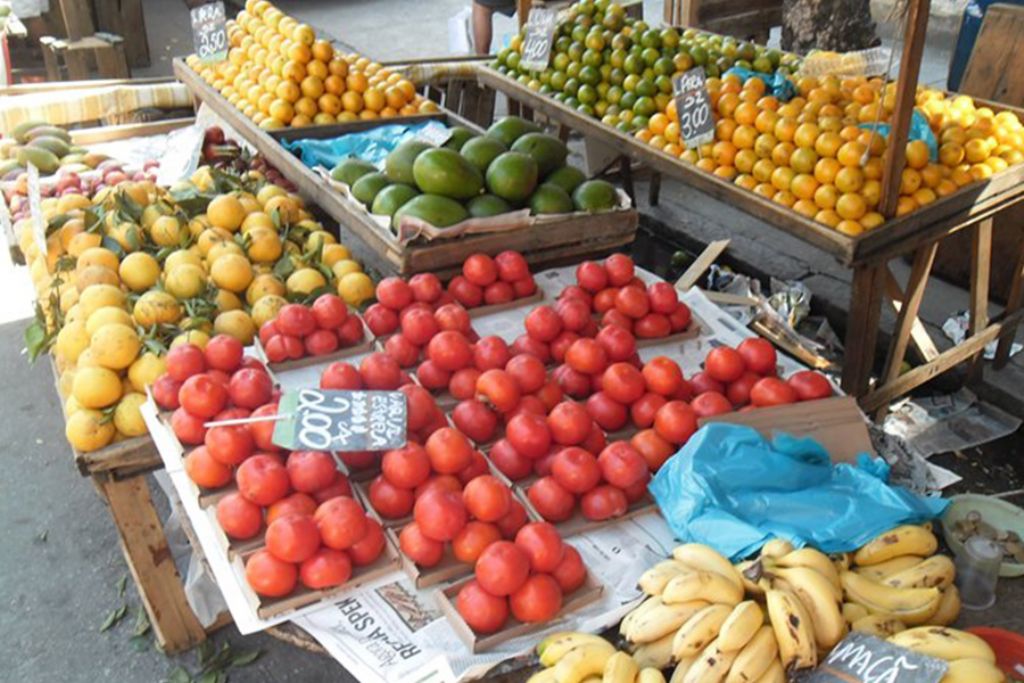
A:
x: 504, y: 6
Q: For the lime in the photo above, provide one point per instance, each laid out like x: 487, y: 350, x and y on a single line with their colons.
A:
x: 571, y: 86
x: 560, y: 61
x: 576, y: 51
x: 614, y: 94
x: 585, y: 109
x: 640, y: 122
x: 630, y: 82
x: 646, y: 88
x: 669, y: 38
x: 586, y: 94
x: 663, y: 84
x: 558, y: 79
x: 572, y: 102
x: 573, y: 70
x: 644, y: 106
x: 618, y: 58
x: 579, y: 33
x: 602, y: 89
x: 650, y: 55
x: 616, y: 76
x: 699, y: 56
x: 627, y: 100
x: 512, y: 62
x: 595, y: 40
x: 633, y: 64
x: 590, y: 75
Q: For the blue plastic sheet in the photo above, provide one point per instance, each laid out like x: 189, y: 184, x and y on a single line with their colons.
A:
x: 777, y: 84
x: 919, y: 130
x: 730, y: 488
x: 371, y: 145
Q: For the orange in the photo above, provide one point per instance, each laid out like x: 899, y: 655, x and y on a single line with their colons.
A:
x: 744, y: 160
x: 335, y: 85
x: 706, y: 164
x: 357, y: 82
x: 297, y: 52
x: 744, y: 137
x: 765, y: 190
x: 871, y: 220
x: 643, y: 135
x: 917, y: 154
x: 746, y: 181
x: 409, y: 89
x: 671, y: 130
x: 288, y: 91
x: 312, y: 87
x: 374, y: 100
x: 910, y: 181
x: 764, y: 144
x: 803, y: 186
x: 727, y: 172
x: 863, y: 94
x: 851, y: 153
x: 874, y: 168
x: 301, y: 120
x: 306, y: 106
x: 782, y: 177
x: 849, y: 133
x: 805, y: 207
x: 945, y: 188
x: 785, y: 129
x: 725, y: 129
x: 329, y: 104
x: 924, y: 195
x: 657, y: 123
x: 318, y: 69
x: 827, y: 144
x: 871, y: 192
x: 851, y: 206
x: 849, y: 227
x: 781, y: 153
x: 849, y: 179
x: 962, y: 175
x: 323, y: 51
x: 338, y: 67
x: 997, y: 164
x: 763, y: 170
x: 768, y: 102
x: 746, y: 113
x: 905, y: 205
x: 723, y: 153
x: 293, y: 71
x: 728, y: 103
x: 828, y: 217
x: 826, y: 196
x: 671, y: 148
x: 282, y: 111
x: 304, y: 34
x: 803, y: 160
x: 784, y: 197
x: 806, y: 134
x: 352, y: 101
x: 931, y: 175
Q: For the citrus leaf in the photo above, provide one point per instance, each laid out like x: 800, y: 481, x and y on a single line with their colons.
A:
x: 179, y: 675
x: 246, y: 658
x: 35, y: 339
x: 115, y: 616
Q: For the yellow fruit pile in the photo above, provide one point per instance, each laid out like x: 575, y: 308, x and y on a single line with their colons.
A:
x: 279, y: 74
x: 136, y: 270
x: 813, y: 155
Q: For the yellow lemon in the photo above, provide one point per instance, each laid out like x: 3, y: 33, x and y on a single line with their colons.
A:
x: 211, y: 237
x: 127, y: 416
x: 82, y: 242
x: 318, y: 239
x: 156, y: 307
x: 236, y: 323
x: 139, y: 271
x: 264, y: 285
x: 333, y: 253
x: 227, y: 301
x: 268, y: 192
x: 232, y: 272
x: 257, y: 219
x: 94, y: 275
x: 108, y: 315
x: 96, y: 387
x: 181, y: 257
x: 89, y: 430
x: 195, y: 337
x: 71, y: 406
x: 97, y: 296
x: 226, y: 211
x: 264, y: 246
x: 266, y: 308
x: 126, y: 234
x: 222, y: 249
x: 305, y: 281
x: 166, y: 231
x: 98, y: 256
x: 115, y: 346
x: 355, y: 288
x: 145, y: 370
x: 71, y: 341
x: 186, y: 281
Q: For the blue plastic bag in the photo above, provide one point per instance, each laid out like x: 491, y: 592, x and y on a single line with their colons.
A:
x: 919, y: 130
x: 371, y: 145
x: 777, y: 84
x: 729, y: 488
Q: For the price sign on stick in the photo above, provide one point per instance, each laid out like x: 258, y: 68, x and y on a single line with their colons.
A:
x: 338, y: 420
x: 209, y: 32
x: 540, y: 33
x: 35, y: 208
x: 693, y: 106
x: 862, y: 658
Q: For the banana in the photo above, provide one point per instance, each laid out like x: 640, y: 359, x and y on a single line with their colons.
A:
x: 755, y: 658
x: 774, y: 674
x: 812, y: 559
x: 842, y: 561
x: 748, y: 570
x: 949, y: 607
x: 702, y: 585
x: 777, y: 547
x: 878, y: 625
x: 585, y: 660
x: 973, y: 671
x: 912, y: 606
x: 655, y: 655
x: 938, y: 571
x: 820, y: 598
x: 793, y: 630
x: 698, y: 556
x: 800, y: 574
x: 711, y: 666
x: 944, y: 643
x: 543, y: 676
x: 882, y: 570
x: 661, y: 620
x: 634, y: 614
x: 683, y: 666
x: 908, y: 539
x: 650, y: 675
x: 852, y: 611
x: 699, y: 630
x: 652, y: 581
x: 620, y: 668
x: 592, y: 679
x: 743, y: 622
x: 557, y: 645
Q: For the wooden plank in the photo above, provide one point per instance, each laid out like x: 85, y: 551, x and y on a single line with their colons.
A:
x: 111, y: 61
x: 50, y: 59
x: 1013, y: 304
x: 996, y: 66
x: 88, y: 136
x: 149, y: 560
x: 862, y: 328
x: 919, y: 337
x: 701, y: 264
x: 77, y: 18
x: 981, y: 266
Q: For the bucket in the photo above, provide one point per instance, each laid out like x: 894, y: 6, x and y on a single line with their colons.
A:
x: 1008, y: 646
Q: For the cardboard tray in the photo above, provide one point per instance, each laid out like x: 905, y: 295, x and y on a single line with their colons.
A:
x: 447, y: 569
x: 577, y: 523
x: 366, y: 344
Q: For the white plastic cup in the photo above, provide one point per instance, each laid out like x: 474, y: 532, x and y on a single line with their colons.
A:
x: 977, y: 572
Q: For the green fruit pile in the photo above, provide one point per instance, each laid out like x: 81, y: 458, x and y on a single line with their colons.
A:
x: 46, y: 147
x: 618, y: 69
x: 513, y: 165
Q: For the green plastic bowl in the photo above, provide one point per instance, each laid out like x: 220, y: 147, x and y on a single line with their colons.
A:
x: 995, y: 511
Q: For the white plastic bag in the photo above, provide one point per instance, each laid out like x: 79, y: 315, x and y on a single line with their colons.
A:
x: 460, y: 32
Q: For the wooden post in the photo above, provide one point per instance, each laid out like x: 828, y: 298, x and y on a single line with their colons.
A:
x: 1013, y: 303
x: 981, y: 262
x: 862, y: 327
x: 523, y: 10
x: 906, y: 91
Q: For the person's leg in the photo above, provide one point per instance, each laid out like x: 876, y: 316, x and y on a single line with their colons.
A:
x: 482, y: 30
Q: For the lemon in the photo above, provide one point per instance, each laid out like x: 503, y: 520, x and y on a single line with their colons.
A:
x: 268, y: 192
x: 195, y: 337
x: 89, y: 430
x: 264, y: 245
x: 221, y: 249
x: 355, y: 288
x: 127, y: 416
x: 333, y: 253
x: 139, y: 271
x: 266, y: 307
x: 108, y: 315
x: 232, y: 272
x: 186, y: 281
x: 145, y: 370
x: 181, y: 257
x: 71, y: 406
x: 72, y: 340
x: 209, y: 238
x: 305, y: 281
x: 87, y: 359
x: 115, y: 346
x: 166, y: 231
x: 96, y: 297
x: 198, y: 225
x: 344, y: 267
x: 66, y: 382
x: 236, y: 323
x: 156, y: 307
x: 96, y: 387
x: 82, y: 242
x: 149, y: 215
x: 98, y: 256
x: 318, y: 239
x: 126, y: 234
x: 257, y: 219
x: 227, y: 301
x: 264, y: 285
x: 95, y: 275
x: 226, y: 211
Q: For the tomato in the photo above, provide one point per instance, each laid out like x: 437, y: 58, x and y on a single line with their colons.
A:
x: 229, y: 445
x: 622, y: 465
x: 542, y: 465
x: 449, y: 451
x: 453, y: 318
x: 326, y: 568
x: 482, y: 612
x: 616, y: 318
x: 450, y: 350
x: 380, y: 371
x: 711, y: 403
x: 276, y: 349
x: 440, y: 515
x: 738, y: 392
x: 623, y: 382
x: 524, y: 344
x: 426, y: 552
x: 513, y: 521
x: 499, y: 389
x: 642, y: 411
x: 480, y: 269
x: 609, y: 414
x: 238, y: 517
x: 190, y: 429
x: 295, y: 504
x: 418, y: 325
x: 574, y: 313
x: 604, y: 300
x: 758, y: 355
x: 266, y: 332
x: 293, y: 538
x: 537, y: 601
x: 185, y: 361
x: 202, y: 396
x: 550, y: 394
x: 724, y: 364
x: 403, y: 351
x: 571, y: 382
x: 475, y: 420
x: 165, y: 392
x: 509, y: 460
x: 528, y: 404
x: 559, y: 346
x: 499, y: 293
x: 358, y: 460
x: 341, y: 521
x: 490, y: 353
x: 351, y: 331
x: 576, y: 292
x: 525, y: 287
x: 465, y: 292
x: 394, y: 292
x: 586, y: 356
x: 420, y: 406
x: 810, y: 385
x: 620, y: 269
x: 654, y: 449
x: 368, y: 549
x: 675, y: 422
x: 406, y: 467
x: 543, y: 323
x: 223, y: 352
x: 250, y: 388
x: 502, y: 568
x: 617, y: 342
x: 632, y: 302
x: 652, y: 326
x: 664, y: 297
x: 380, y: 319
x: 426, y: 287
x: 528, y: 372
x: 702, y: 382
x: 262, y: 479
x: 772, y: 391
x: 487, y: 498
x: 570, y: 423
x: 511, y: 266
x: 269, y: 576
x: 329, y: 311
x: 576, y: 470
x: 390, y: 501
x: 478, y: 466
x: 591, y: 276
x: 603, y: 502
x: 432, y: 376
x: 339, y: 487
x: 341, y: 375
x: 680, y: 318
x: 473, y: 540
x: 442, y: 482
x: 542, y: 544
x: 550, y: 499
x: 295, y: 320
x: 311, y: 471
x: 570, y: 572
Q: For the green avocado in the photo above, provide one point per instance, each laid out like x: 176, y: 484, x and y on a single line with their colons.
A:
x: 482, y: 151
x: 567, y: 177
x: 510, y: 128
x: 43, y: 159
x: 487, y: 205
x: 367, y: 187
x: 447, y: 173
x: 398, y: 164
x: 460, y: 136
x: 546, y: 150
x: 391, y: 199
x: 512, y: 176
x: 351, y: 169
x: 550, y: 199
x: 441, y: 212
x: 595, y: 195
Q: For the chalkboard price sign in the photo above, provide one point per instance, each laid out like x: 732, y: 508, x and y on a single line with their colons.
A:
x: 693, y: 106
x: 863, y: 658
x: 209, y: 32
x: 540, y: 32
x: 339, y: 420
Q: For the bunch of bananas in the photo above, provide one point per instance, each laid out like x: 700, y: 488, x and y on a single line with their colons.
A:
x: 573, y: 657
x: 969, y: 658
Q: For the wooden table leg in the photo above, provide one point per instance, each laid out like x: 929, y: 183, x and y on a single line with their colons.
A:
x: 1013, y: 303
x: 919, y: 337
x: 981, y: 263
x: 149, y: 559
x: 862, y: 327
x: 626, y: 171
x: 654, y: 191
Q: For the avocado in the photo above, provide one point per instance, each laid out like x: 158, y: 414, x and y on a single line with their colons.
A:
x: 398, y: 164
x: 441, y: 212
x: 482, y: 151
x: 567, y: 177
x: 508, y: 129
x: 51, y: 144
x: 391, y: 199
x: 351, y: 169
x: 487, y: 205
x: 550, y: 199
x: 512, y: 176
x: 548, y: 151
x: 595, y: 195
x: 460, y: 136
x: 50, y: 132
x: 43, y: 159
x: 446, y: 172
x: 367, y: 187
x: 9, y: 165
x: 20, y: 132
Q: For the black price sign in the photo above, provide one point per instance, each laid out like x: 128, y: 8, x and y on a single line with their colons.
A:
x: 693, y: 106
x: 540, y: 33
x: 209, y: 32
x: 863, y: 658
x: 339, y: 420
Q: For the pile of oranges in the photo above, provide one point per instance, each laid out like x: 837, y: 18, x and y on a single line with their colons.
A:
x: 279, y: 74
x: 819, y: 153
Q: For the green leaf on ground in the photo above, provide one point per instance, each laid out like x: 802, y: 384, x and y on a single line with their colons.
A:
x: 245, y: 658
x: 122, y: 584
x: 179, y: 675
x: 141, y: 627
x: 115, y: 616
x: 42, y: 536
